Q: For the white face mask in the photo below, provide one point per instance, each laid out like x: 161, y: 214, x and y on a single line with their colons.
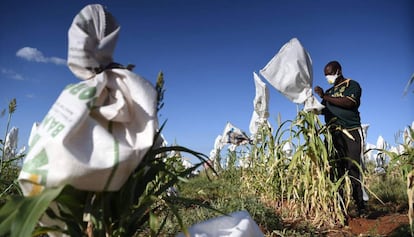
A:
x: 331, y: 78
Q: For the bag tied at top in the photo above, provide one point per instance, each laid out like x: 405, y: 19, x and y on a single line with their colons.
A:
x: 92, y: 39
x: 290, y: 72
x: 98, y: 130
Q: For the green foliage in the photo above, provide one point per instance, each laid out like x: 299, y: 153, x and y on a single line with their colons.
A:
x: 389, y: 189
x: 402, y: 163
x: 300, y: 186
x: 274, y: 186
x: 301, y: 182
x: 134, y: 209
x: 223, y: 193
x: 159, y: 87
x: 9, y: 158
x: 20, y: 215
x: 296, y: 186
x: 140, y: 207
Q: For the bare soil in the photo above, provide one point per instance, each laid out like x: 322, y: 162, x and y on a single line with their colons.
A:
x: 388, y: 220
x: 375, y: 224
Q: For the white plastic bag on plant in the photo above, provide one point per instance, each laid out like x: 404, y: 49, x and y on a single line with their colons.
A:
x: 290, y: 72
x: 234, y: 136
x: 10, y: 144
x: 98, y: 130
x: 218, y: 145
x: 214, y: 156
x: 261, y: 106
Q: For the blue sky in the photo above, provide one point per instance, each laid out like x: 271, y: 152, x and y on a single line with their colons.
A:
x: 208, y: 51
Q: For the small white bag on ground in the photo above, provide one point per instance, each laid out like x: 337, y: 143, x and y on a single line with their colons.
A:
x: 237, y: 224
x: 290, y: 72
x: 98, y: 130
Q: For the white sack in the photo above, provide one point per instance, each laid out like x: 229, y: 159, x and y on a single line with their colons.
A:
x: 237, y: 224
x: 260, y: 105
x: 288, y: 149
x: 218, y: 144
x: 10, y: 144
x: 381, y: 144
x: 290, y: 72
x: 98, y: 130
x: 92, y: 39
x: 234, y: 136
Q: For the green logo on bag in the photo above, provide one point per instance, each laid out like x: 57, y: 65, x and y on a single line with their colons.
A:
x: 32, y: 166
x: 82, y: 90
x: 88, y: 93
x: 52, y: 125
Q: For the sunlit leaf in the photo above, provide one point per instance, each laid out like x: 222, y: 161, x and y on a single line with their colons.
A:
x: 30, y: 211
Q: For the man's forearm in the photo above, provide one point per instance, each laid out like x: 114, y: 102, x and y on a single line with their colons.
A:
x: 343, y: 102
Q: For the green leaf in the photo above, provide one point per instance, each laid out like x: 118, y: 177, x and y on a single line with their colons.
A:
x: 8, y: 213
x: 153, y: 222
x: 30, y: 210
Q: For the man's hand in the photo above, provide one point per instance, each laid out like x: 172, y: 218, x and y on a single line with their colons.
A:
x: 318, y: 90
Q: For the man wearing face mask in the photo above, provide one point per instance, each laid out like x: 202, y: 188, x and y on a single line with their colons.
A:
x: 341, y: 113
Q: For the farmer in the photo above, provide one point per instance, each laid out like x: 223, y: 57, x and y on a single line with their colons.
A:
x: 341, y: 113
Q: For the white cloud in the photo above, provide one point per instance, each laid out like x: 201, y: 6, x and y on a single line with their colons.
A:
x: 56, y: 60
x: 11, y: 74
x: 33, y: 54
